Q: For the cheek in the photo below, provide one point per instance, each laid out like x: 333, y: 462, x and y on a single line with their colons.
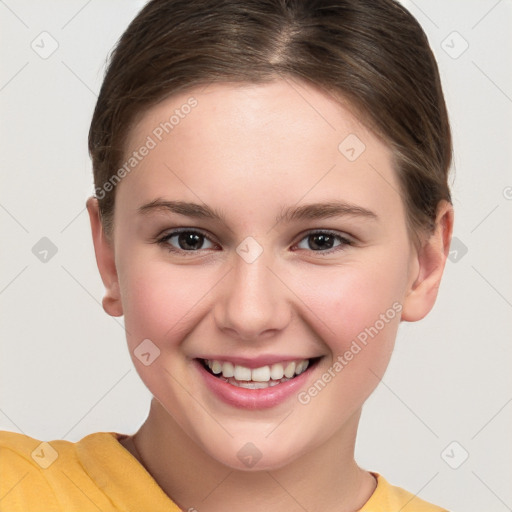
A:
x: 349, y: 300
x: 158, y: 299
x: 356, y: 310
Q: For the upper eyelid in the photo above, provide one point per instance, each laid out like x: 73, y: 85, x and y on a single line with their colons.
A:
x: 176, y: 231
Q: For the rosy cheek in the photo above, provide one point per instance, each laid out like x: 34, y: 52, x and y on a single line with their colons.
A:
x: 345, y: 301
x: 159, y: 299
x: 146, y: 304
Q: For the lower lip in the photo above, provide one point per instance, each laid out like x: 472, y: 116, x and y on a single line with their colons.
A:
x: 243, y: 398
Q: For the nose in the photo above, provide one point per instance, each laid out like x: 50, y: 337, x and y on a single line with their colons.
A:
x: 253, y: 303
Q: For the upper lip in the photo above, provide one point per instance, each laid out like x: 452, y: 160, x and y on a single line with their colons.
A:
x: 257, y: 361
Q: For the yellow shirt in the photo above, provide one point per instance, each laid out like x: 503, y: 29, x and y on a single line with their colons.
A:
x: 99, y: 474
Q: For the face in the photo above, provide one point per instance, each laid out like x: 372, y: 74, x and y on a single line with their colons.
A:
x: 260, y: 232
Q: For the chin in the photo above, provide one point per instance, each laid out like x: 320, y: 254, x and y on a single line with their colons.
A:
x: 257, y: 456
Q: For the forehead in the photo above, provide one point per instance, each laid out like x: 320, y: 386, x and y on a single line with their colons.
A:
x: 239, y: 108
x: 282, y: 138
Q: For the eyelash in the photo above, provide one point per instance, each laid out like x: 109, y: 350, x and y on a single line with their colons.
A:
x: 344, y: 241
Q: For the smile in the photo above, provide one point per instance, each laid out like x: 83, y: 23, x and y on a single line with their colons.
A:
x: 256, y: 378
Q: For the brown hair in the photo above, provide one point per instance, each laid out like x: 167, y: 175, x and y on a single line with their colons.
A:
x: 371, y: 53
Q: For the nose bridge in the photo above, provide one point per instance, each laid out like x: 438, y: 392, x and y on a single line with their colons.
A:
x: 253, y: 302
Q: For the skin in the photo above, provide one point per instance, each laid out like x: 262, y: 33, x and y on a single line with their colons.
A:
x: 249, y: 151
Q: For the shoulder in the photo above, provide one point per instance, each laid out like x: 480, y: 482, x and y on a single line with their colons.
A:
x: 22, y: 451
x: 34, y: 474
x: 20, y: 474
x: 28, y: 451
x: 388, y: 497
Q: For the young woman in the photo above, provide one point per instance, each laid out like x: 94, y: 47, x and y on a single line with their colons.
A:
x: 271, y: 202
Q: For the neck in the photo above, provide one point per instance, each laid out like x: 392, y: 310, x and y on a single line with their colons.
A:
x: 325, y: 479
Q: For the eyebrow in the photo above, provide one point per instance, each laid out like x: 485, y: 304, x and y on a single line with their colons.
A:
x: 312, y: 211
x: 183, y: 208
x: 324, y: 211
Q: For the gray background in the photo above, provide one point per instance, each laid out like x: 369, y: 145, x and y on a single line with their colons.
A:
x: 64, y: 368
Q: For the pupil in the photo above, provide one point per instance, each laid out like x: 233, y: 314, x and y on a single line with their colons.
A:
x: 321, y: 241
x: 189, y: 241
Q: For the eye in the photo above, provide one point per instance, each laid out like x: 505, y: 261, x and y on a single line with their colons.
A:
x: 323, y: 241
x: 190, y: 240
x: 186, y: 240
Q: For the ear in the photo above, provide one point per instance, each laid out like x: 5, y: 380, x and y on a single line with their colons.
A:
x: 104, y: 249
x: 429, y: 263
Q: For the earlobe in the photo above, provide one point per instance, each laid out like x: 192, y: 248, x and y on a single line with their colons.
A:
x: 429, y: 264
x: 105, y: 259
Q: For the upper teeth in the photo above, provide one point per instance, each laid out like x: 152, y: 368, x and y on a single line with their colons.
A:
x: 263, y: 374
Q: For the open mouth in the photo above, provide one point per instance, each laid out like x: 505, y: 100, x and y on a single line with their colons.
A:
x: 258, y: 378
